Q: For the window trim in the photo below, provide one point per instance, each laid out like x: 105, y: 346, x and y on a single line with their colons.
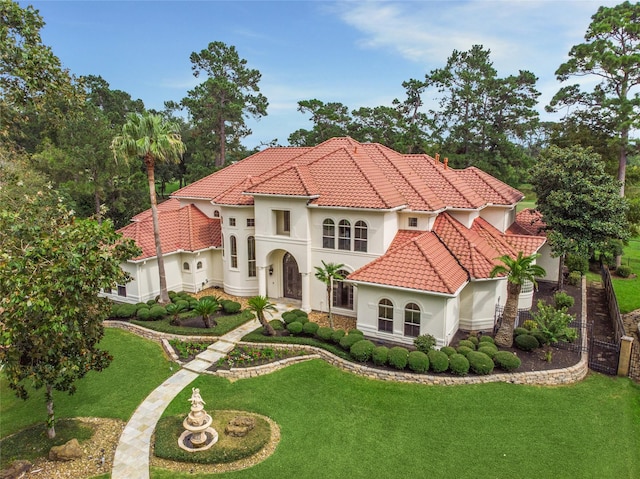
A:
x: 186, y: 267
x: 251, y: 257
x: 412, y: 320
x: 384, y: 322
x: 328, y: 240
x: 360, y: 236
x: 344, y: 235
x: 232, y: 221
x: 412, y: 219
x: 233, y: 255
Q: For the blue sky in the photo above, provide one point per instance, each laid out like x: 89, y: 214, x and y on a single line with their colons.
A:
x: 354, y: 52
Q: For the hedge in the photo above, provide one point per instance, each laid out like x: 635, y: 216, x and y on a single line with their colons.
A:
x: 362, y: 350
x: 418, y: 362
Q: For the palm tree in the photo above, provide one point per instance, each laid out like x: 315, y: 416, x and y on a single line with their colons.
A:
x: 205, y: 308
x: 518, y: 271
x: 328, y: 273
x: 152, y: 139
x: 259, y: 305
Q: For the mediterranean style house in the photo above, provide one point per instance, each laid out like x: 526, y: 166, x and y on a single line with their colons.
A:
x: 417, y: 238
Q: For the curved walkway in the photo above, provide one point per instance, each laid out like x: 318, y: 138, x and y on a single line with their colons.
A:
x: 131, y: 460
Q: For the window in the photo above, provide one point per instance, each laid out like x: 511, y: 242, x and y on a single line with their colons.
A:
x: 108, y: 290
x: 251, y: 222
x: 122, y: 291
x: 232, y: 221
x: 412, y: 320
x: 199, y: 265
x: 216, y: 214
x: 251, y: 254
x: 413, y: 222
x: 360, y: 237
x: 328, y: 234
x: 344, y: 235
x: 234, y: 252
x: 343, y: 292
x: 283, y: 222
x: 222, y: 244
x: 385, y: 316
x: 185, y: 266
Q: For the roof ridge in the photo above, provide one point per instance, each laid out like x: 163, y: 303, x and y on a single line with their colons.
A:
x: 428, y: 259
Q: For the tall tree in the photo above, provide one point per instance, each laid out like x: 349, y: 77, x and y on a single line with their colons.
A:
x: 329, y: 120
x: 149, y: 138
x: 518, y: 270
x: 579, y: 202
x: 611, y: 52
x: 52, y: 268
x: 328, y: 273
x: 260, y: 305
x: 220, y: 104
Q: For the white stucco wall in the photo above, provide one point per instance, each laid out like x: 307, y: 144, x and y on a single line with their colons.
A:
x: 478, y: 300
x: 499, y: 217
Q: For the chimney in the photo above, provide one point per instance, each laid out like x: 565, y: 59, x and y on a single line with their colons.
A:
x: 446, y: 162
x: 437, y: 158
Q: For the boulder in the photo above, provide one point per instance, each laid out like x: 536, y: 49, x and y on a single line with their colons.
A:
x: 67, y: 452
x: 16, y: 470
x: 240, y: 426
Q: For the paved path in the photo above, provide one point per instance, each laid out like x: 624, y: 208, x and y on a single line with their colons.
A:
x: 131, y: 460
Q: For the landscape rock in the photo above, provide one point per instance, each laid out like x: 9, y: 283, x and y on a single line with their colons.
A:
x: 240, y: 426
x: 16, y: 470
x: 67, y: 452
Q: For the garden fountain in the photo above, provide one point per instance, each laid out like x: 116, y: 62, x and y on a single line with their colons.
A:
x: 198, y: 434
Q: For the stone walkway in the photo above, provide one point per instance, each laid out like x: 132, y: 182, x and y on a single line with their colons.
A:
x: 131, y: 459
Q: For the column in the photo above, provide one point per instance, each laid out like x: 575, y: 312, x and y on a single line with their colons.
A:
x: 306, y: 292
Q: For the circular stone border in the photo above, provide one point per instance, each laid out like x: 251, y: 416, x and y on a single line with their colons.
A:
x: 245, y: 463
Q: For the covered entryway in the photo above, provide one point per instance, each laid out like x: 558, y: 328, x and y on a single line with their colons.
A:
x: 291, y: 278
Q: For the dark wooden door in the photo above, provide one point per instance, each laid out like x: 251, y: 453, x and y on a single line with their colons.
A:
x: 292, y: 278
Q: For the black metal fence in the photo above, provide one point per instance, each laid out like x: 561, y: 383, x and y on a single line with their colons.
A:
x: 612, y: 303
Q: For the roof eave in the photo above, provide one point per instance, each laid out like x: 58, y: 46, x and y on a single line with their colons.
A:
x: 412, y: 290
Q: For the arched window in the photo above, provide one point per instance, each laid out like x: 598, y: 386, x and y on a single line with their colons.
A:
x: 251, y: 255
x: 344, y: 235
x: 222, y: 244
x: 199, y: 265
x: 216, y: 214
x: 385, y: 316
x: 185, y: 266
x: 343, y: 292
x: 412, y: 320
x: 328, y: 234
x: 360, y: 237
x: 234, y: 252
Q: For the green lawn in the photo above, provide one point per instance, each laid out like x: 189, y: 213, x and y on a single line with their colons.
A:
x: 337, y: 425
x: 138, y: 367
x: 628, y: 290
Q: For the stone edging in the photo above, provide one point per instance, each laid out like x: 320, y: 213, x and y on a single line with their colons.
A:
x: 252, y: 372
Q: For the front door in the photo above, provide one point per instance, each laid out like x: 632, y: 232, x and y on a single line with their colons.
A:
x: 292, y: 278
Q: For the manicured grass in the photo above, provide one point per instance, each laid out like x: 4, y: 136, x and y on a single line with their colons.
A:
x: 138, y: 367
x: 530, y: 197
x: 337, y: 425
x: 225, y: 324
x: 628, y: 290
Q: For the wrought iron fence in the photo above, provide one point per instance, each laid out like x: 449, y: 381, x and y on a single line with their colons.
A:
x: 612, y: 302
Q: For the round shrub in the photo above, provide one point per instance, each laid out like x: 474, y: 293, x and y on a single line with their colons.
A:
x: 380, y: 355
x: 157, y: 312
x: 574, y: 278
x: 143, y: 314
x: 355, y: 331
x: 526, y: 342
x: 507, y: 361
x: 289, y: 317
x: 398, y: 357
x: 362, y: 350
x: 126, y: 311
x: 473, y: 339
x: 295, y: 327
x: 142, y: 305
x: 466, y: 343
x: 337, y: 335
x: 520, y: 330
x: 487, y: 339
x: 458, y: 364
x: 418, y: 362
x: 324, y: 333
x: 623, y: 271
x: 277, y: 325
x: 310, y: 328
x: 540, y: 336
x: 491, y: 352
x: 151, y: 302
x: 182, y: 304
x: 424, y: 343
x: 302, y: 319
x: 301, y: 315
x: 438, y: 361
x: 349, y: 340
x: 480, y: 363
x: 562, y: 300
x: 448, y: 350
x: 231, y: 307
x: 464, y: 350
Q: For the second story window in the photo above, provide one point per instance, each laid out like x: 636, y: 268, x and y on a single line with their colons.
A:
x: 413, y: 222
x: 344, y: 235
x: 328, y: 234
x: 232, y: 221
x: 360, y: 237
x: 251, y: 222
x: 283, y: 222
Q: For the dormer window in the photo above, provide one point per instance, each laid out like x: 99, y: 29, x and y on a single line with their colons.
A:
x: 413, y: 222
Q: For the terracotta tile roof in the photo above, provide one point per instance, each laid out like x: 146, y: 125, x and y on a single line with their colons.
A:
x: 492, y: 190
x: 422, y: 263
x: 508, y: 243
x: 294, y: 181
x: 528, y: 221
x: 168, y: 205
x: 186, y: 228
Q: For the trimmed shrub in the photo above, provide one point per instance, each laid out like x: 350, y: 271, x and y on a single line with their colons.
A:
x: 418, y: 362
x: 349, y: 340
x: 231, y: 307
x: 380, y: 355
x: 526, y: 342
x: 466, y: 343
x: 299, y: 312
x: 574, y: 278
x: 424, y: 343
x: 448, y: 350
x: 310, y: 328
x: 337, y: 335
x: 398, y: 357
x: 324, y: 333
x: 289, y: 317
x: 480, y: 363
x: 575, y: 262
x: 157, y: 312
x: 562, y: 300
x: 277, y: 325
x: 126, y: 311
x: 520, y: 330
x: 302, y: 319
x: 151, y: 302
x: 458, y: 364
x: 491, y: 352
x: 142, y: 305
x: 294, y: 327
x: 623, y: 271
x: 464, y: 350
x: 143, y: 314
x: 362, y: 350
x: 487, y: 339
x: 184, y: 305
x: 507, y: 361
x: 355, y: 331
x: 540, y: 336
x: 438, y: 361
x: 473, y: 339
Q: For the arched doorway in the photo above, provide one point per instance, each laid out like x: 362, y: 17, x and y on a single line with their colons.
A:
x: 291, y: 277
